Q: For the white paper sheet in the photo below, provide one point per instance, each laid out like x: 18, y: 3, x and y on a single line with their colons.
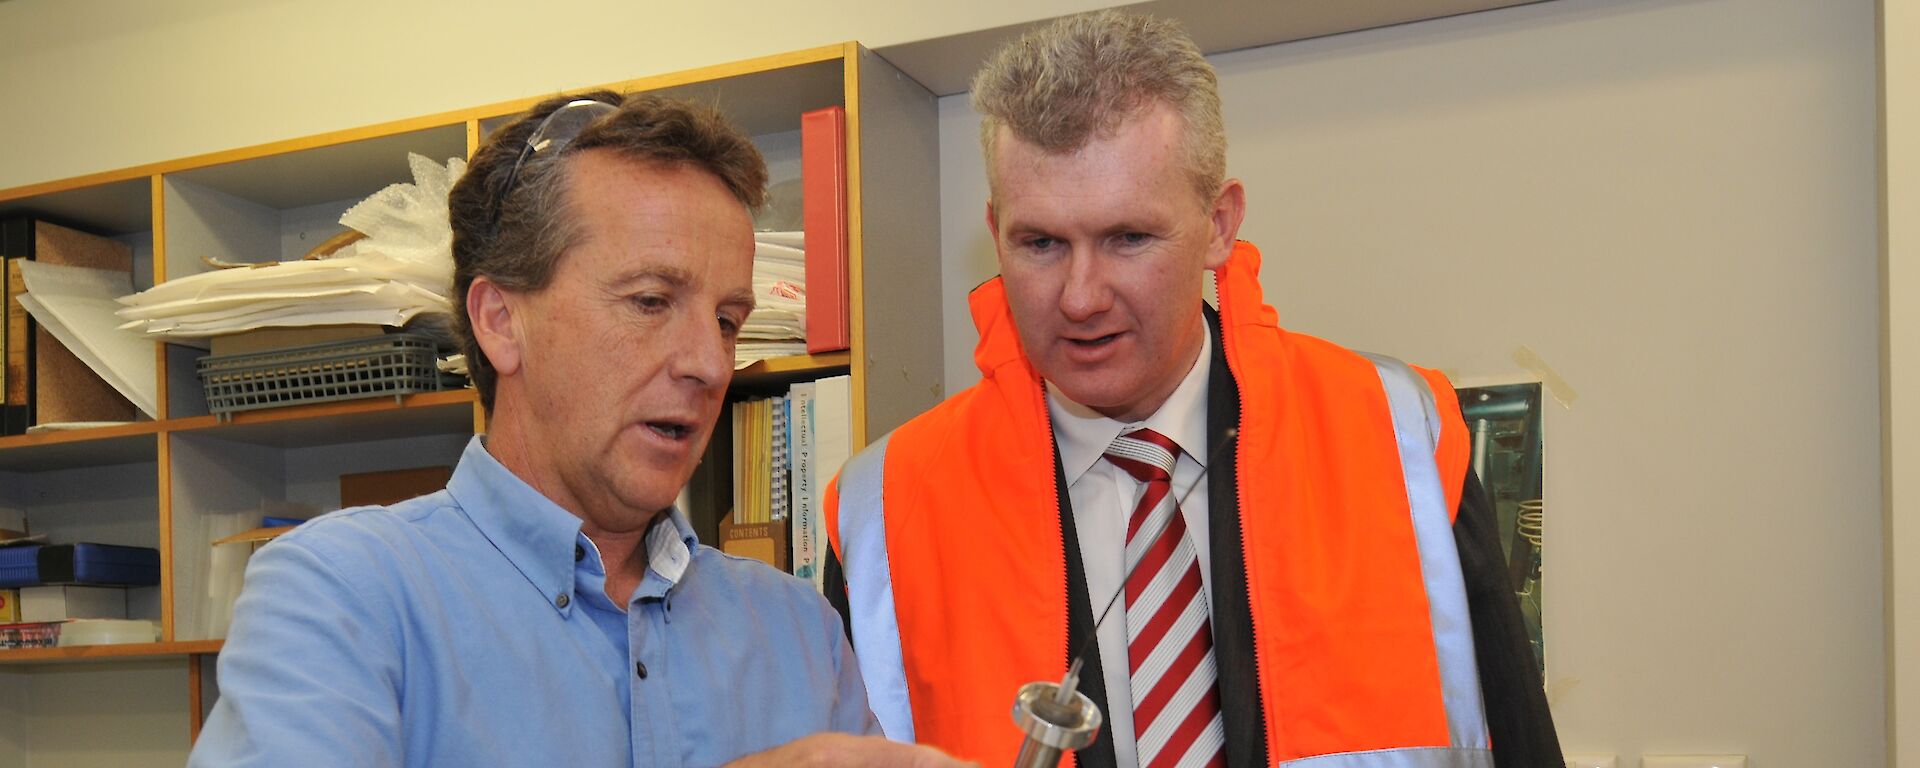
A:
x: 77, y: 305
x: 795, y: 239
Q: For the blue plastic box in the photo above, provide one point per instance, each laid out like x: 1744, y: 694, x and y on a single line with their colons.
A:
x: 79, y: 564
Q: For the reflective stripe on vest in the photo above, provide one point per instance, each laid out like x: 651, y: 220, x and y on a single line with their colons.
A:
x: 1415, y: 757
x: 1416, y: 428
x: 876, y: 630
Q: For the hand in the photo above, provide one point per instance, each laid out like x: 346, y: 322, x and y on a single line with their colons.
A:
x: 840, y: 749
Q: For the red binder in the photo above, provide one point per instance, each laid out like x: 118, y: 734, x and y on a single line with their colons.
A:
x: 823, y: 182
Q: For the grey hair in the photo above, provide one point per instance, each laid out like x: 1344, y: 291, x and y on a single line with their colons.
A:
x: 1079, y: 78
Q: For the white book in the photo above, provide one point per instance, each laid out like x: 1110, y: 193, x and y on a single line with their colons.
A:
x: 809, y: 531
x: 832, y: 432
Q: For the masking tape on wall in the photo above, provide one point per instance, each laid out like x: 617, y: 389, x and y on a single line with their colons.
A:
x: 1556, y: 386
x: 1558, y: 688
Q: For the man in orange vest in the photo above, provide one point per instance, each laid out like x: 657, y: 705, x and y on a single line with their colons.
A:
x: 1299, y: 563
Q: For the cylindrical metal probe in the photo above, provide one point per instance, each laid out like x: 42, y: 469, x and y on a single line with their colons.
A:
x: 1055, y: 718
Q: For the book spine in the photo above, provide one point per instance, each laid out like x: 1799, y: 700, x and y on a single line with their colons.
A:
x: 782, y: 504
x: 16, y: 413
x: 823, y: 186
x: 832, y: 432
x: 807, y: 527
x: 16, y: 244
x: 740, y: 443
x: 762, y: 420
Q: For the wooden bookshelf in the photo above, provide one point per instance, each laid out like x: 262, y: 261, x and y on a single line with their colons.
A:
x: 370, y: 418
x: 98, y: 446
x: 786, y: 370
x: 106, y: 653
x: 189, y: 478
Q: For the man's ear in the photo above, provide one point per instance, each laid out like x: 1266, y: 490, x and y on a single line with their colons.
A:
x: 1229, y: 209
x: 490, y: 312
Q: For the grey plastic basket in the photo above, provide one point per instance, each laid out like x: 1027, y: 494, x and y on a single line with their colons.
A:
x: 394, y: 364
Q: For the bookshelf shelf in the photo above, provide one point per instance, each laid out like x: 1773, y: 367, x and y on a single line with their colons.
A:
x: 122, y: 207
x: 372, y: 418
x: 106, y: 653
x: 786, y: 370
x: 96, y: 447
x: 328, y: 170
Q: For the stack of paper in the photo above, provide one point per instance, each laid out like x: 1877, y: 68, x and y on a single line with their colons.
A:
x: 778, y: 325
x: 363, y: 288
x: 402, y: 268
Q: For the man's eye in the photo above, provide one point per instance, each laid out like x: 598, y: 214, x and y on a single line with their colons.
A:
x: 729, y: 327
x: 651, y: 302
x: 1041, y: 243
x: 1135, y: 239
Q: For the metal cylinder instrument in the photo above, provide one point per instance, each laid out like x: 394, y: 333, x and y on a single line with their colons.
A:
x: 1055, y: 718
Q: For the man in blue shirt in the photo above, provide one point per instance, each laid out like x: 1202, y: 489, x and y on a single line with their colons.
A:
x: 550, y: 606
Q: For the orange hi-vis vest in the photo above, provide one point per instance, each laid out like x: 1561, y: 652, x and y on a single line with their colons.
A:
x: 1347, y: 468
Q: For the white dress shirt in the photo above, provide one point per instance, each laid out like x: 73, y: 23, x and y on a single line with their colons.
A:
x: 1103, y: 497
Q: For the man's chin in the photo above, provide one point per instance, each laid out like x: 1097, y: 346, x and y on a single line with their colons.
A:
x: 648, y: 490
x: 1105, y: 399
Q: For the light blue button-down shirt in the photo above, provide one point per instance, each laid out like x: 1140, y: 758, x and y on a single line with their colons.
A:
x: 472, y: 627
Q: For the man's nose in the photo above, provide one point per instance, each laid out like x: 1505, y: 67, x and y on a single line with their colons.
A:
x: 705, y: 356
x: 1086, y: 292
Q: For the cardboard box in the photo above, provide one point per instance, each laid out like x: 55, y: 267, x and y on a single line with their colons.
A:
x: 765, y: 542
x: 66, y: 389
x: 72, y: 602
x: 268, y: 339
x: 392, y: 486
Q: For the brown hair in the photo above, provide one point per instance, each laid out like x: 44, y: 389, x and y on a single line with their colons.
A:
x: 1080, y: 77
x: 536, y: 224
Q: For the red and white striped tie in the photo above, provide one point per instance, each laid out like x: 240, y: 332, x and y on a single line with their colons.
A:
x: 1176, y: 706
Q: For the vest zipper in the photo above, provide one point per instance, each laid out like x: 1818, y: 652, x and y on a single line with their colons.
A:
x: 1066, y: 580
x: 1240, y: 519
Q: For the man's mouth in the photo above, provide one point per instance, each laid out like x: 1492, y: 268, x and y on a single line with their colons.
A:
x: 671, y: 430
x: 1093, y: 342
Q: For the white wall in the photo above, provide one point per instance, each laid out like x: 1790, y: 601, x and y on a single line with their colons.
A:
x: 1674, y: 204
x: 105, y: 84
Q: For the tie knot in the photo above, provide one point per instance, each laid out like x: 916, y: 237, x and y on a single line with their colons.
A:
x: 1145, y: 454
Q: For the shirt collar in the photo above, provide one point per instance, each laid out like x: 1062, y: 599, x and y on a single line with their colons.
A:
x: 1083, y: 434
x: 670, y: 542
x: 535, y: 534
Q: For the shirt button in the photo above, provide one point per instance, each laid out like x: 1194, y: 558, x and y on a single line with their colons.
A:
x: 562, y: 600
x: 640, y: 668
x: 579, y: 553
